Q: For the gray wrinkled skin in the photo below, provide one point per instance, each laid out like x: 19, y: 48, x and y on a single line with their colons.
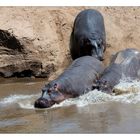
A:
x: 76, y: 80
x: 124, y: 65
x: 88, y: 36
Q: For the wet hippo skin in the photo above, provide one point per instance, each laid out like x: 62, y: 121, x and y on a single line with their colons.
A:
x: 125, y: 65
x: 76, y: 80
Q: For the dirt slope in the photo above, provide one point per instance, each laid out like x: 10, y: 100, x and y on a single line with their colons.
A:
x: 44, y: 34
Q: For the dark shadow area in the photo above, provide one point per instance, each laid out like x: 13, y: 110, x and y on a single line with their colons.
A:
x: 9, y: 41
x: 25, y: 73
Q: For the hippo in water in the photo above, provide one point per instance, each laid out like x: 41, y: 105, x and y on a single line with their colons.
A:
x: 124, y: 65
x: 76, y: 80
x: 88, y: 36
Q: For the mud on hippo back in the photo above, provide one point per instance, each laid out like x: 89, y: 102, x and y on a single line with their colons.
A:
x: 88, y: 36
x: 76, y: 80
x: 124, y: 65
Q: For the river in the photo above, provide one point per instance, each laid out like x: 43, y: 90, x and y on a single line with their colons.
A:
x: 94, y: 112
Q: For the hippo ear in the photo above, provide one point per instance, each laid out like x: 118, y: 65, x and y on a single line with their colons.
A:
x: 56, y: 86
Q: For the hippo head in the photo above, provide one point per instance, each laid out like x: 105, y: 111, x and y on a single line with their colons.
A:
x: 103, y: 86
x: 92, y: 47
x: 50, y: 96
x: 98, y: 49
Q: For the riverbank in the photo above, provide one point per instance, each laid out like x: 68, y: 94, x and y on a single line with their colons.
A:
x: 43, y: 33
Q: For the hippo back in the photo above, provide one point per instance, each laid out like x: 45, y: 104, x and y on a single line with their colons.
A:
x: 129, y: 61
x: 93, y: 23
x: 80, y: 76
x: 121, y: 56
x: 88, y: 35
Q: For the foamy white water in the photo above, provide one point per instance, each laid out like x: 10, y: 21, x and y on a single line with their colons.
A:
x: 26, y: 104
x: 127, y: 92
x: 100, y: 97
x: 12, y: 99
x: 127, y: 87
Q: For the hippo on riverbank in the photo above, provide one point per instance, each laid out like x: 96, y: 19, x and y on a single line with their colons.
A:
x: 88, y: 36
x: 76, y: 80
x: 124, y: 65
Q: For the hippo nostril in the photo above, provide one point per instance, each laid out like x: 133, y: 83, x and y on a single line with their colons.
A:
x: 36, y: 104
x: 39, y: 103
x: 42, y: 103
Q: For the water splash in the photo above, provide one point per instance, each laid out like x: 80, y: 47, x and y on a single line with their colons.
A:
x: 127, y: 86
x: 26, y: 105
x: 127, y: 92
x: 12, y: 99
x: 86, y: 99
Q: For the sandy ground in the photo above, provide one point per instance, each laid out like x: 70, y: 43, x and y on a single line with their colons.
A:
x: 48, y: 29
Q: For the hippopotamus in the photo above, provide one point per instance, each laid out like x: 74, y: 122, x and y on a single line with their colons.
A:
x: 88, y: 36
x: 124, y: 65
x: 76, y: 80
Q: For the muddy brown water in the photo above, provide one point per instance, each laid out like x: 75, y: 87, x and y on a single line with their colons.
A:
x: 17, y: 114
